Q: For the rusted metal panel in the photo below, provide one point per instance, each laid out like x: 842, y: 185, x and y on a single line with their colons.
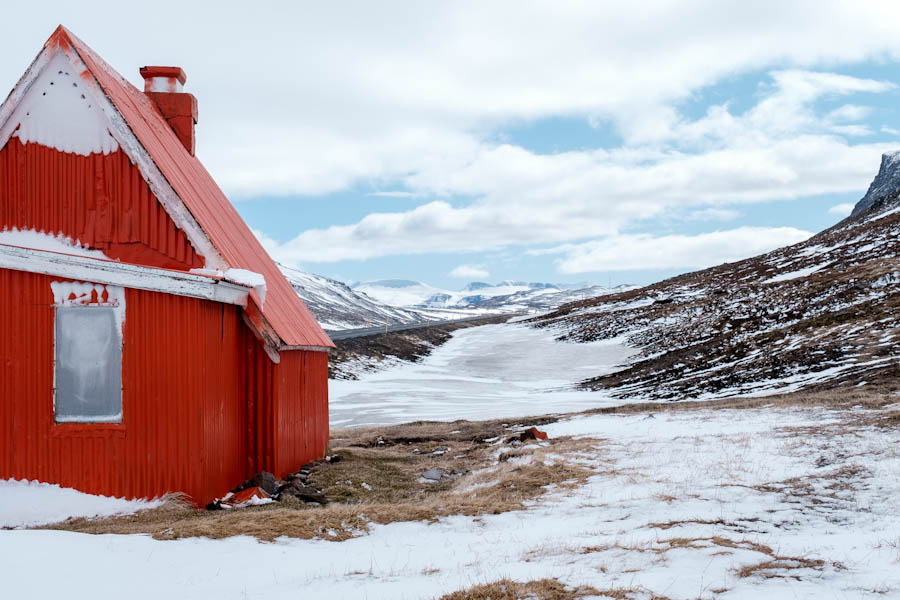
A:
x: 100, y: 200
x: 183, y: 424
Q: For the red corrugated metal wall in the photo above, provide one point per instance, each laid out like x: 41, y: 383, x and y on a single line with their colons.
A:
x: 300, y: 409
x: 183, y: 398
x: 289, y: 403
x: 101, y: 200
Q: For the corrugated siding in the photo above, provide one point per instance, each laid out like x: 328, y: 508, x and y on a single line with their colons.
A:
x: 184, y: 416
x: 101, y: 200
x: 300, y: 409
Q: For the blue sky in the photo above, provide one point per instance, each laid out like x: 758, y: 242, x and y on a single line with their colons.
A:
x: 559, y: 134
x: 546, y: 141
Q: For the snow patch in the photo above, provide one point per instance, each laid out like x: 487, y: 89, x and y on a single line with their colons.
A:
x: 59, y: 111
x: 30, y: 503
x: 38, y: 240
x: 81, y: 293
x: 250, y: 279
x: 805, y: 272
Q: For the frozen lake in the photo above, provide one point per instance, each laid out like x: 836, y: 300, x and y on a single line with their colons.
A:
x: 492, y: 371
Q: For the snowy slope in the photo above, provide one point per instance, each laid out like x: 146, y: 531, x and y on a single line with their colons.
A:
x: 336, y: 306
x: 825, y: 310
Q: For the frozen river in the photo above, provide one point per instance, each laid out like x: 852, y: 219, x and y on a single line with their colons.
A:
x: 492, y: 371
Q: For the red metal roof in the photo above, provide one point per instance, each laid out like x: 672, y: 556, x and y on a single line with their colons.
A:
x: 283, y: 309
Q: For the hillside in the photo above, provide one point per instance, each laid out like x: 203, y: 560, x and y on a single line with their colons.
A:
x: 820, y: 313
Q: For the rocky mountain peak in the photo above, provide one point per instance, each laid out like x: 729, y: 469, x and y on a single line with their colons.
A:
x: 885, y: 186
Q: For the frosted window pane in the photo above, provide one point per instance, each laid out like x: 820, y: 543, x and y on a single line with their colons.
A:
x: 88, y: 365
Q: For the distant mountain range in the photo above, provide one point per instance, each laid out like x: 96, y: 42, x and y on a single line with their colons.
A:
x: 400, y: 301
x: 820, y: 313
x: 503, y: 296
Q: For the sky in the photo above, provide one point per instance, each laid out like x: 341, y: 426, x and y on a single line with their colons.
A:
x: 540, y: 141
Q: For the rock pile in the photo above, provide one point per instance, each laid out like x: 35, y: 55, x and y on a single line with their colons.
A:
x: 264, y: 487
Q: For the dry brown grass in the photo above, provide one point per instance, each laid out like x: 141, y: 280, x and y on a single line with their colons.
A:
x: 378, y: 481
x: 780, y: 567
x: 540, y: 589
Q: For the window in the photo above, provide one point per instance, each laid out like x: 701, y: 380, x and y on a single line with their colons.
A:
x: 88, y: 364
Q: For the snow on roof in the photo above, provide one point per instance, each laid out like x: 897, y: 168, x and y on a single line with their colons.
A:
x: 194, y: 200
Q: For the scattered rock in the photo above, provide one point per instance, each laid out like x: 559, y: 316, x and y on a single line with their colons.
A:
x: 440, y: 451
x: 433, y: 474
x: 302, y: 492
x: 266, y: 481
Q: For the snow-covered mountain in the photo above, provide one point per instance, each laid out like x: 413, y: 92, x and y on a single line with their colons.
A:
x: 505, y: 296
x: 823, y: 312
x: 336, y: 306
x: 399, y: 301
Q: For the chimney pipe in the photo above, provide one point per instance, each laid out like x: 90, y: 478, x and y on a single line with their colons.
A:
x: 164, y: 86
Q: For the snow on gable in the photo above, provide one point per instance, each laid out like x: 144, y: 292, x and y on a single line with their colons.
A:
x: 38, y: 240
x: 60, y: 111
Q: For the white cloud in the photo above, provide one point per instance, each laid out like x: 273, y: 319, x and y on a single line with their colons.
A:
x: 849, y: 112
x: 317, y: 97
x: 779, y: 149
x: 644, y: 251
x: 841, y: 210
x: 470, y: 272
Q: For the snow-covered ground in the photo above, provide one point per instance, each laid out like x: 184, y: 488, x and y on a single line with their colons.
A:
x: 802, y: 502
x: 492, y: 371
x: 29, y: 503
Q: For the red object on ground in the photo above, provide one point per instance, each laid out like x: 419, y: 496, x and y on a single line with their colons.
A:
x: 212, y: 391
x: 245, y: 495
x: 532, y: 434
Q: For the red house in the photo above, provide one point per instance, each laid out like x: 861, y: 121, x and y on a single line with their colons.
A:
x: 148, y: 343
